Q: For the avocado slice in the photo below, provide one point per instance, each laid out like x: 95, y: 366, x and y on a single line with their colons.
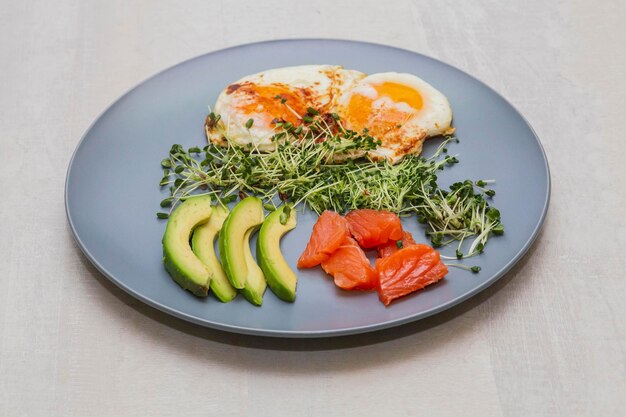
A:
x: 281, y: 279
x: 181, y: 263
x: 202, y: 244
x: 255, y: 285
x: 233, y: 239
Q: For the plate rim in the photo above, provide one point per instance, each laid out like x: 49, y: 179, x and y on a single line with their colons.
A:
x: 308, y: 333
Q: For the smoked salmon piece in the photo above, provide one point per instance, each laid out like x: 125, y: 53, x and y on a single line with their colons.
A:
x: 391, y: 247
x: 408, y: 270
x: 374, y: 227
x: 329, y: 232
x: 350, y: 268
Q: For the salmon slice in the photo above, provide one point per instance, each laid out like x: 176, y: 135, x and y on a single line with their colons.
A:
x: 329, y: 232
x: 391, y: 247
x: 350, y: 268
x: 408, y: 270
x: 374, y: 227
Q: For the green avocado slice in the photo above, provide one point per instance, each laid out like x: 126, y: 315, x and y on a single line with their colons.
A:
x: 255, y: 285
x: 202, y: 244
x: 233, y: 238
x: 280, y: 278
x: 181, y: 263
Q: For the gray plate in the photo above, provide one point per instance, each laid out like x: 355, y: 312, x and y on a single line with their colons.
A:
x: 112, y: 190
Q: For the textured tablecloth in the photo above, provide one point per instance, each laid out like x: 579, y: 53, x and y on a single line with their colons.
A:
x: 548, y: 339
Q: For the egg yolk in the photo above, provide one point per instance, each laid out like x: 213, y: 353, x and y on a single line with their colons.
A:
x: 273, y: 101
x: 399, y: 93
x: 360, y: 112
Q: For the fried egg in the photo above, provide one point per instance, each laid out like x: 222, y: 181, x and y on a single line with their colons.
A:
x: 277, y: 95
x: 399, y: 110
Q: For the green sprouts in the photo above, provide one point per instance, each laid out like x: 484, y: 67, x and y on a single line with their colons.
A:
x: 457, y: 214
x: 313, y: 166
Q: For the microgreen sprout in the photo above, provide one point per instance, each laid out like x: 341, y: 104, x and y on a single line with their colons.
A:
x: 475, y: 269
x: 284, y: 216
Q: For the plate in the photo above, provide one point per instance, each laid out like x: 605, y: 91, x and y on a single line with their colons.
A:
x: 112, y: 191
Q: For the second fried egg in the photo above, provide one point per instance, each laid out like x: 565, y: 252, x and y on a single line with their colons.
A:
x: 401, y: 110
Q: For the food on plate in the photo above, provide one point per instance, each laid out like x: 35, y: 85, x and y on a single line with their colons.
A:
x: 392, y: 246
x: 374, y: 227
x: 180, y: 261
x: 408, y: 270
x: 350, y: 268
x: 280, y: 277
x: 203, y: 245
x: 233, y: 239
x: 334, y: 141
x: 329, y: 232
x: 398, y: 110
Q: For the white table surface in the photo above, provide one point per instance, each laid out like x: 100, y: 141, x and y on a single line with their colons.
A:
x: 548, y: 339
